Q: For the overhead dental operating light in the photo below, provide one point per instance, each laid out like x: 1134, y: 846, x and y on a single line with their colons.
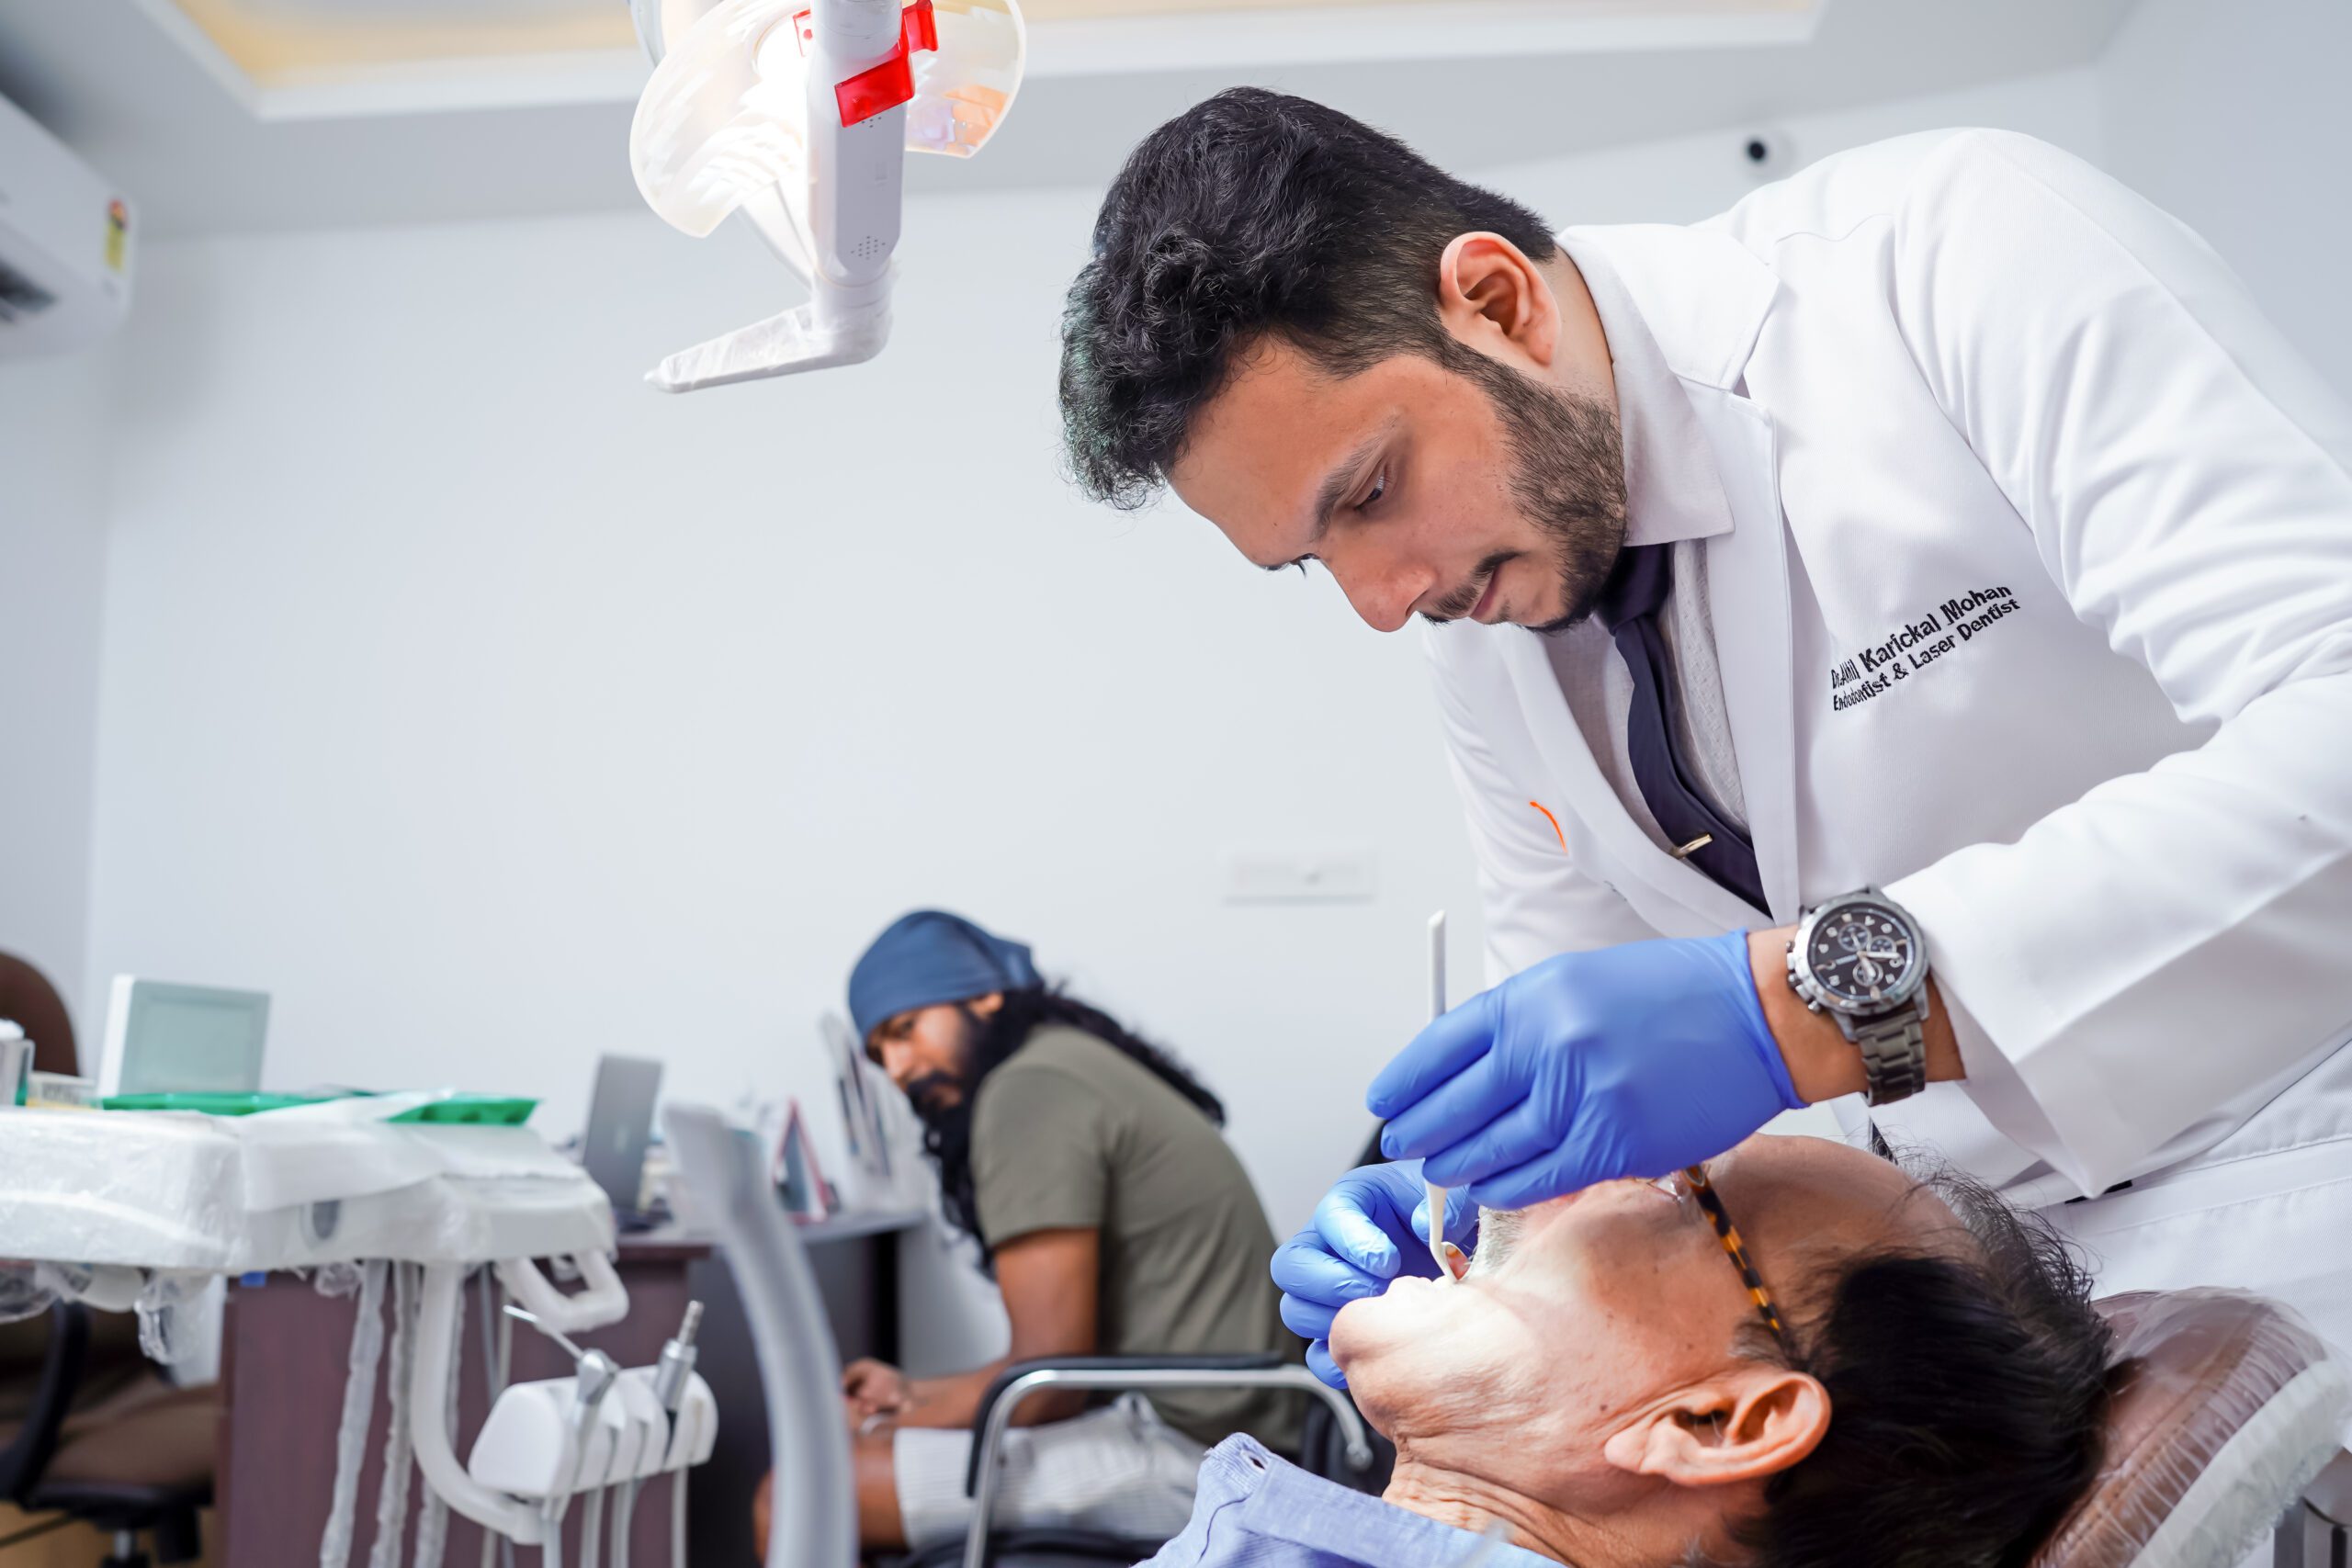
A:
x: 798, y: 114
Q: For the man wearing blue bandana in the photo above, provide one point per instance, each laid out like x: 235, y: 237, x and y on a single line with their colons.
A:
x: 1089, y: 1167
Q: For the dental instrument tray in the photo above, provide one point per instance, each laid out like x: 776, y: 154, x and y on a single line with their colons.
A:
x: 208, y: 1104
x: 455, y: 1110
x: 473, y: 1111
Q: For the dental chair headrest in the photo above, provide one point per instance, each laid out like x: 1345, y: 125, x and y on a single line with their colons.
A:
x: 2225, y: 1407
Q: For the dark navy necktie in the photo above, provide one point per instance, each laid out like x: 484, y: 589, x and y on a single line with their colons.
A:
x: 1629, y: 608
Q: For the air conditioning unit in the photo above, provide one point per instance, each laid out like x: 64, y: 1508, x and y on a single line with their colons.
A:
x: 64, y: 245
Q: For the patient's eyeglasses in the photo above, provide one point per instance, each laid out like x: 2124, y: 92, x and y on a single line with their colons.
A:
x: 1693, y: 1180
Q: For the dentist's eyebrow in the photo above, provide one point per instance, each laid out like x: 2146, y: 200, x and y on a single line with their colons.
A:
x: 1342, y: 478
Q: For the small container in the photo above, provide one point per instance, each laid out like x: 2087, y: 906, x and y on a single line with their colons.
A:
x: 56, y: 1091
x: 16, y: 1064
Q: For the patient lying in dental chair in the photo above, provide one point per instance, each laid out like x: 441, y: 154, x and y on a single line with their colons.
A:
x: 1872, y: 1370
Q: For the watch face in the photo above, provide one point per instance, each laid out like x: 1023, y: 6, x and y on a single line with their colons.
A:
x: 1862, y: 955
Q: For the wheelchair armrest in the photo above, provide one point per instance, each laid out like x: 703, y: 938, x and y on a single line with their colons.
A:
x: 1102, y: 1373
x: 25, y: 1457
x: 1128, y: 1373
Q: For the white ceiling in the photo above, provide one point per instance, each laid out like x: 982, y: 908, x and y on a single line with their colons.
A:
x: 202, y: 152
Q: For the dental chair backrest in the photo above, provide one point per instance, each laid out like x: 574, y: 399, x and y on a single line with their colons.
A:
x: 814, y: 1501
x: 29, y: 1001
x: 2225, y: 1406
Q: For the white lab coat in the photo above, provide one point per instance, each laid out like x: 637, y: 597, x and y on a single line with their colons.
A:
x: 1963, y: 379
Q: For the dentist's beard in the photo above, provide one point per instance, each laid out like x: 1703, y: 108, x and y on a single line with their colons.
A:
x: 1568, y: 475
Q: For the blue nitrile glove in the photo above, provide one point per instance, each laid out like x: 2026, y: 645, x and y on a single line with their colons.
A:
x: 1624, y: 1061
x: 1371, y: 1227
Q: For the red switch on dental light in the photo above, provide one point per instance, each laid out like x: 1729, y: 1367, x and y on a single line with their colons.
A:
x: 892, y: 83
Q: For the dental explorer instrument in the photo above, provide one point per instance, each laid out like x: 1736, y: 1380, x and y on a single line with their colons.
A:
x: 1443, y: 1254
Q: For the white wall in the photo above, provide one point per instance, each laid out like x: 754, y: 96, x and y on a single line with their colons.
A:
x: 2237, y: 120
x: 493, y: 711
x: 1691, y: 177
x: 52, y: 551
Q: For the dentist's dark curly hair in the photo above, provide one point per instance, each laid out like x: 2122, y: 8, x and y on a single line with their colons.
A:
x: 1252, y: 213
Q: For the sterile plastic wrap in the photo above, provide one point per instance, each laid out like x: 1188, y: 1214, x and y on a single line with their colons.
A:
x: 2225, y: 1405
x: 153, y: 1191
x: 27, y: 1290
x: 24, y: 1292
x: 359, y: 1405
x: 178, y: 1317
x: 725, y: 116
x: 433, y: 1519
x: 391, y: 1495
x: 341, y: 1278
x: 179, y: 1192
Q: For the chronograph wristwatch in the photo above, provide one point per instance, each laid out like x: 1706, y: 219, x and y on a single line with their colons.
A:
x: 1859, y: 958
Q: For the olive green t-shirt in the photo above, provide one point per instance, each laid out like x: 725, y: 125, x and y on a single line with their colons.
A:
x: 1070, y: 1132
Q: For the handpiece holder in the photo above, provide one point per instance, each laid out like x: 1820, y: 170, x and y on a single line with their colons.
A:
x: 530, y: 1449
x: 604, y: 1300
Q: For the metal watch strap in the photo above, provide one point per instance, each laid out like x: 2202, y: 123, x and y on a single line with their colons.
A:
x: 1894, y: 1055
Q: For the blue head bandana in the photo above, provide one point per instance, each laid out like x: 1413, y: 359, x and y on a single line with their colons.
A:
x: 928, y: 957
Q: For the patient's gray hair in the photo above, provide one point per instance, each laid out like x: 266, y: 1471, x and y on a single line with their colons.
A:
x: 1967, y: 1390
x: 1967, y: 1385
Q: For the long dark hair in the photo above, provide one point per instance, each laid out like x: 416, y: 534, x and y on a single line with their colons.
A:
x: 947, y: 1131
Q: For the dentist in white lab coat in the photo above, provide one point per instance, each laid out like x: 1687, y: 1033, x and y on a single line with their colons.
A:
x: 2010, y: 556
x: 2028, y: 571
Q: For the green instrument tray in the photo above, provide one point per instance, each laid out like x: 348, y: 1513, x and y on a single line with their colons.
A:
x: 458, y: 1109
x: 208, y: 1104
x: 474, y: 1110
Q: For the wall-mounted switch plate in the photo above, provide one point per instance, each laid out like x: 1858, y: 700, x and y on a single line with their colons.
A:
x: 1322, y: 874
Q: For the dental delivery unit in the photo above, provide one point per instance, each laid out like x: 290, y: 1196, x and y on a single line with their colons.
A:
x: 401, y: 1198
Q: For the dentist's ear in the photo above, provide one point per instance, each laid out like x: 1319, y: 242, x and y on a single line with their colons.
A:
x: 1493, y: 299
x: 1747, y: 1427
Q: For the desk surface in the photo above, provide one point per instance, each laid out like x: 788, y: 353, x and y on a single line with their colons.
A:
x: 854, y: 1222
x: 684, y: 1242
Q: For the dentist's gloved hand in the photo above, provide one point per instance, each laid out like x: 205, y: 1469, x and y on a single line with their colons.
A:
x: 1624, y: 1061
x: 1371, y: 1227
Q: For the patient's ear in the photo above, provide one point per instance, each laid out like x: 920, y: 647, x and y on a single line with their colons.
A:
x: 1747, y: 1426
